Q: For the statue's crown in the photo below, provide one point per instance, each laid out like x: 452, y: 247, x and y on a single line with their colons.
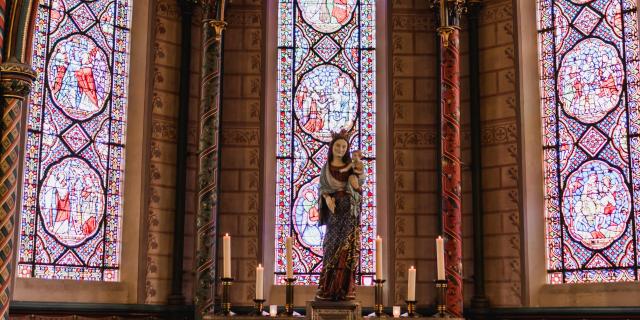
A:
x: 342, y: 134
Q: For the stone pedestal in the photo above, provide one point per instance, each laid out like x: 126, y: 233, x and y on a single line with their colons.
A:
x: 333, y: 310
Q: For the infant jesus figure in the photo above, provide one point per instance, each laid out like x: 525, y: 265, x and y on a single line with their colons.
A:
x: 358, y: 168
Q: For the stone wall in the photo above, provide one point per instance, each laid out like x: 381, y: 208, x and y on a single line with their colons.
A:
x: 162, y: 173
x: 415, y: 126
x: 500, y: 152
x: 415, y: 143
x: 415, y: 147
x: 241, y: 161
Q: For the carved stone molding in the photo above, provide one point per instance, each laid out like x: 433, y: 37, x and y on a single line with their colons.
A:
x: 16, y: 79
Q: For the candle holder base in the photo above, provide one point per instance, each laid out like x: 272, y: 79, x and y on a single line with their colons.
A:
x: 411, y: 309
x: 288, y: 306
x: 443, y: 315
x: 375, y: 315
x: 378, y: 307
x: 257, y: 307
x: 225, y: 305
x: 441, y: 306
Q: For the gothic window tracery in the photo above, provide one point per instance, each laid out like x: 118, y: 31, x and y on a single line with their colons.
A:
x: 588, y: 62
x: 75, y: 141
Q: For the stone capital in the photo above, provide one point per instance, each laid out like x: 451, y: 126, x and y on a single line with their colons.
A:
x: 217, y: 26
x: 16, y: 79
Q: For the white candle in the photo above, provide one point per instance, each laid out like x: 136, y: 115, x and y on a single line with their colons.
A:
x: 289, y: 257
x: 259, y: 282
x: 440, y: 257
x: 411, y: 289
x: 379, y: 258
x: 396, y: 311
x: 273, y: 310
x: 444, y: 20
x: 222, y: 9
x: 443, y: 15
x: 226, y: 253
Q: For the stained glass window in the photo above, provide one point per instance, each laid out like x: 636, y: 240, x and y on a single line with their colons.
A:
x: 588, y: 53
x: 74, y: 153
x: 326, y: 82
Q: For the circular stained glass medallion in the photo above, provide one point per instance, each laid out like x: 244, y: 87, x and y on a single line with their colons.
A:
x: 596, y: 204
x: 79, y: 77
x: 590, y: 80
x: 325, y: 101
x: 71, y: 201
x: 327, y: 16
x: 306, y: 219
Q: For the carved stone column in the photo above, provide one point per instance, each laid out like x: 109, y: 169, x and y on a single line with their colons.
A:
x: 15, y: 85
x: 208, y: 156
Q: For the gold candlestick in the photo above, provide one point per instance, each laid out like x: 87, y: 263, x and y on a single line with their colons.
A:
x: 226, y: 300
x: 378, y: 307
x: 288, y: 306
x: 441, y: 289
x: 411, y: 309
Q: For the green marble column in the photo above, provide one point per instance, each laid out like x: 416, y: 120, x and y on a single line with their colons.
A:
x: 208, y: 156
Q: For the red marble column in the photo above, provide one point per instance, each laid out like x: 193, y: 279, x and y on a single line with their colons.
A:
x: 451, y: 187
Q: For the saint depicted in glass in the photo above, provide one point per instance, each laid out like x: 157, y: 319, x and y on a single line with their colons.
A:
x: 74, y: 153
x: 326, y: 83
x: 588, y: 53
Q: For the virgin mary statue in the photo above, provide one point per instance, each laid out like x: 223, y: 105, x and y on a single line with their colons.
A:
x: 339, y: 207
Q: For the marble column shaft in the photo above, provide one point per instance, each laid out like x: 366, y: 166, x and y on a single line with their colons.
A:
x: 15, y: 84
x: 451, y: 177
x: 208, y: 158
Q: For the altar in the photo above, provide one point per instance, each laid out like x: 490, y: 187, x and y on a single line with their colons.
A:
x: 293, y: 296
x: 326, y: 310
